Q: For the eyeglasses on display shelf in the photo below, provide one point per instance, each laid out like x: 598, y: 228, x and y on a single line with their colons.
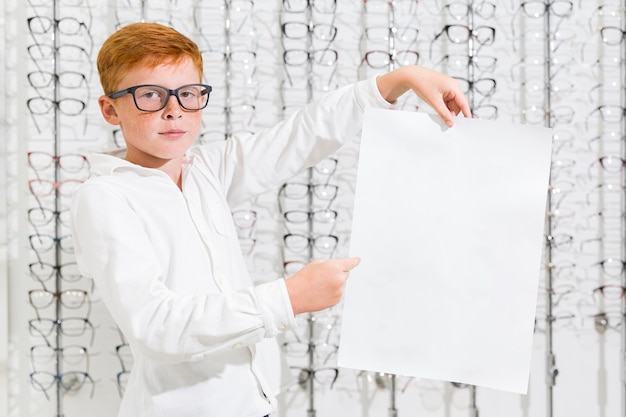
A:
x: 607, y: 89
x: 558, y: 40
x: 537, y: 63
x: 126, y: 361
x: 562, y: 320
x: 325, y: 244
x: 300, y: 30
x: 535, y: 88
x: 122, y: 380
x: 561, y: 216
x: 291, y: 267
x: 611, y: 114
x: 325, y: 169
x: 610, y: 292
x: 297, y: 190
x: 40, y: 106
x: 604, y: 219
x: 300, y: 83
x: 139, y: 12
x: 46, y: 272
x: 44, y: 54
x: 324, y: 216
x: 68, y: 29
x: 460, y: 10
x: 71, y: 163
x: 607, y: 320
x: 456, y: 34
x: 605, y: 194
x: 564, y: 270
x: 323, y: 376
x: 485, y: 111
x: 44, y: 243
x: 535, y: 9
x: 483, y: 86
x: 612, y: 267
x: 70, y: 327
x: 41, y: 217
x: 556, y: 115
x: 382, y: 381
x: 238, y: 14
x: 70, y: 298
x: 318, y: 6
x: 461, y: 62
x: 244, y: 219
x: 603, y: 13
x: 611, y: 37
x: 72, y: 80
x: 562, y: 168
x: 74, y: 356
x: 560, y: 241
x: 41, y: 188
x: 405, y: 35
x: 603, y: 241
x: 239, y: 115
x: 125, y: 356
x: 563, y: 140
x: 41, y: 25
x: 404, y: 12
x: 378, y: 59
x: 322, y: 57
x: 559, y: 190
x: 68, y: 381
x: 608, y: 164
x: 559, y: 292
x: 323, y: 351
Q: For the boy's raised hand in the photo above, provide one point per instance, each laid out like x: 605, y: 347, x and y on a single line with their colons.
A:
x: 319, y: 284
x: 441, y: 92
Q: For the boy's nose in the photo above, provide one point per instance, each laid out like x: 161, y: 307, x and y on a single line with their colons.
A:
x: 172, y: 109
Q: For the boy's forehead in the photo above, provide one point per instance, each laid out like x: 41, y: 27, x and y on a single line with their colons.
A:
x: 152, y: 63
x: 169, y: 65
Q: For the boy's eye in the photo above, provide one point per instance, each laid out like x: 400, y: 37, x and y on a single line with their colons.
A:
x: 151, y: 94
x: 188, y: 93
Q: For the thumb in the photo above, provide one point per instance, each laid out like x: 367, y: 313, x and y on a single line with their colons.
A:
x: 351, y: 263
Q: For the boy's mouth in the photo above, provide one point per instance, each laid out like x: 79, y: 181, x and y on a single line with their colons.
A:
x: 173, y: 133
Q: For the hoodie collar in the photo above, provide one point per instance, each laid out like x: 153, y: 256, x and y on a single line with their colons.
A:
x: 109, y: 162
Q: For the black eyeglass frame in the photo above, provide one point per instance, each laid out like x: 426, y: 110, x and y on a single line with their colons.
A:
x: 131, y: 91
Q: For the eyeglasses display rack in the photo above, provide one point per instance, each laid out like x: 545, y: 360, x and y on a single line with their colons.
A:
x: 309, y: 63
x: 558, y: 64
x: 622, y: 235
x: 57, y: 250
x: 551, y: 369
x: 53, y: 82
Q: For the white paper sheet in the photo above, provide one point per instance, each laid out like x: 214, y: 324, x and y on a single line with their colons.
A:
x: 449, y: 224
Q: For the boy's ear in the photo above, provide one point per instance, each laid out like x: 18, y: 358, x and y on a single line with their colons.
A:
x: 108, y: 110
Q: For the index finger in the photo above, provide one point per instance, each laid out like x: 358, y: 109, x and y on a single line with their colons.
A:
x: 462, y: 106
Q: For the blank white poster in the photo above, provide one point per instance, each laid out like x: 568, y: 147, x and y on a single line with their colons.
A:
x: 449, y: 225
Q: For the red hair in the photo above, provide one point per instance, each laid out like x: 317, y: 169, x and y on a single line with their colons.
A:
x: 143, y: 44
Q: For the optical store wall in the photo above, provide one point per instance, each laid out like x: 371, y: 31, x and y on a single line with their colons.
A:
x: 555, y: 63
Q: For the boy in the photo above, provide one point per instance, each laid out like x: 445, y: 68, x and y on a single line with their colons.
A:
x: 152, y: 226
